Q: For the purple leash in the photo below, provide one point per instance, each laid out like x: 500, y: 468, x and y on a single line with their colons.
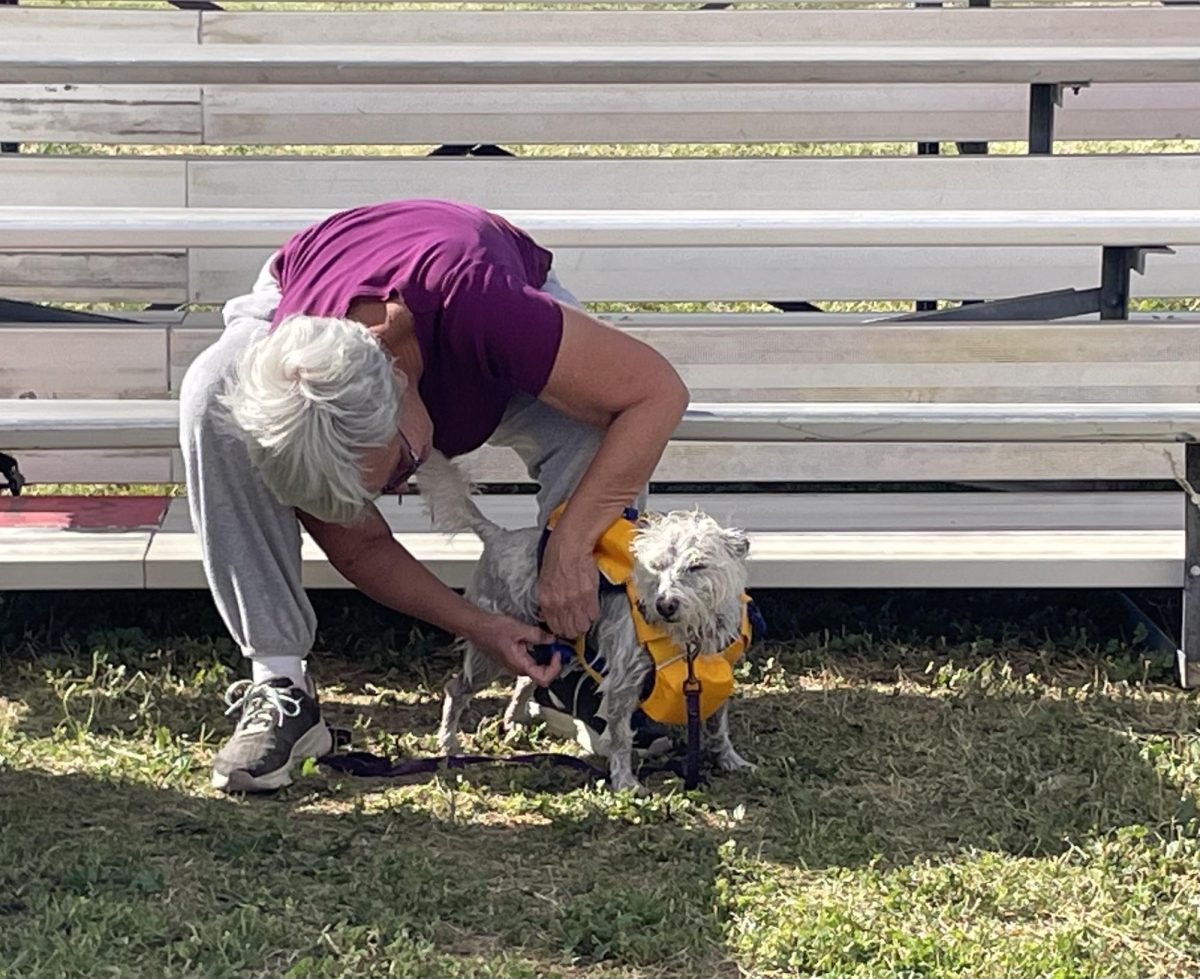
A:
x: 364, y: 764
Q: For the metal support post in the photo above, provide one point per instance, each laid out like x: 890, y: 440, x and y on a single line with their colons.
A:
x: 1114, y: 284
x: 1189, y: 644
x: 927, y: 149
x: 1116, y: 264
x: 1042, y: 99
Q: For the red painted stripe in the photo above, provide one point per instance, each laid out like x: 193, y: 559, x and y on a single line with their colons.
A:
x: 83, y: 512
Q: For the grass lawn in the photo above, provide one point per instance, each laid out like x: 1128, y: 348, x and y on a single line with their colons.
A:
x: 947, y: 785
x: 981, y: 786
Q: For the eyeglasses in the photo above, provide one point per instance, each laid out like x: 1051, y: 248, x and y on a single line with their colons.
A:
x: 406, y: 467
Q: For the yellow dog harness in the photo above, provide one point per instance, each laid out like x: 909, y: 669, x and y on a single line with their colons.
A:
x: 665, y: 701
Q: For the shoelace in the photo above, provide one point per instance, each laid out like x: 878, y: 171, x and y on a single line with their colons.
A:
x: 262, y: 705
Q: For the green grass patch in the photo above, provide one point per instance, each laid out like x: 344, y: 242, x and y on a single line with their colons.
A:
x: 948, y: 785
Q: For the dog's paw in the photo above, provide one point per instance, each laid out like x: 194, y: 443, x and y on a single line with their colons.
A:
x: 628, y: 783
x: 448, y: 743
x: 515, y: 716
x: 731, y: 761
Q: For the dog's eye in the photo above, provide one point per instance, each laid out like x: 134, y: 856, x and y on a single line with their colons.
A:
x: 696, y: 568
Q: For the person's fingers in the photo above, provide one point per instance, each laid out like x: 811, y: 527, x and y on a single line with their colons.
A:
x: 535, y: 636
x: 559, y: 625
x: 574, y: 622
x: 542, y: 675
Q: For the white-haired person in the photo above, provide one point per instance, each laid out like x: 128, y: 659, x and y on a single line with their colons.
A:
x: 370, y: 339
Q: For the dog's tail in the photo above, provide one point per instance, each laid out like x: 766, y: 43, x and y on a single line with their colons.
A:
x: 447, y: 493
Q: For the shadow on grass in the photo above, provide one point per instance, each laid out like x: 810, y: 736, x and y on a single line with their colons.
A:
x: 101, y: 876
x: 525, y: 872
x: 522, y: 872
x: 848, y: 772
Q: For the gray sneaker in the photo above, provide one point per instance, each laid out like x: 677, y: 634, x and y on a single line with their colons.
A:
x: 280, y: 725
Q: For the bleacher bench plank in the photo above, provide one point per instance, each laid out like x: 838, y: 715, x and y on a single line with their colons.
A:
x: 213, y: 275
x: 702, y: 463
x: 187, y: 227
x: 756, y: 274
x: 680, y: 64
x: 264, y: 115
x: 1085, y: 361
x: 560, y: 113
x: 33, y: 559
x: 103, y: 423
x: 1129, y: 26
x: 632, y: 244
x: 1164, y: 181
x: 676, y: 114
x: 953, y: 540
x: 121, y: 362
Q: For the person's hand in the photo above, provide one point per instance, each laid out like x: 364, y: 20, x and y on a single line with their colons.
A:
x: 568, y: 595
x: 508, y: 641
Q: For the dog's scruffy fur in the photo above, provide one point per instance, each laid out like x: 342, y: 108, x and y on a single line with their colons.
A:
x: 690, y: 574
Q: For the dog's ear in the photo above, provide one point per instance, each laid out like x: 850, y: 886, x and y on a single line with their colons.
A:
x: 737, y: 542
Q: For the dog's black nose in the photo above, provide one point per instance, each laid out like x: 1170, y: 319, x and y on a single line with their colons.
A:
x: 667, y: 607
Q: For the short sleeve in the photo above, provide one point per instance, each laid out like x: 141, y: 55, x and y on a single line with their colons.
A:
x: 502, y: 327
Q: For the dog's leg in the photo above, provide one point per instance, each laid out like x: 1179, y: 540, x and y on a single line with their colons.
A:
x: 517, y: 711
x: 478, y: 672
x: 617, y: 709
x: 716, y: 744
x: 620, y: 693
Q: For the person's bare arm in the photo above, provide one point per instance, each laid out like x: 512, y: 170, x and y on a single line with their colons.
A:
x: 380, y: 567
x: 606, y: 378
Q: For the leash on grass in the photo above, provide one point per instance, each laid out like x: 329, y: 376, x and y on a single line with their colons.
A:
x: 365, y: 764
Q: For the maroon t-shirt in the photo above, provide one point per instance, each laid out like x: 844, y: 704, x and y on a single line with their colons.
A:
x: 472, y: 282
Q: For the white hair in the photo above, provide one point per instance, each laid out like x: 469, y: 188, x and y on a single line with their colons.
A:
x: 308, y: 399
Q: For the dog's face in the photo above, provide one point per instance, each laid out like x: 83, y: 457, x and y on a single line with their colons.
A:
x: 690, y: 573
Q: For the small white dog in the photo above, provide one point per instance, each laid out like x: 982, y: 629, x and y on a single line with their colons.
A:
x: 690, y: 575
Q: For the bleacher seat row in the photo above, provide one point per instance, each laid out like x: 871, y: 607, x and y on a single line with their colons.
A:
x: 1044, y: 238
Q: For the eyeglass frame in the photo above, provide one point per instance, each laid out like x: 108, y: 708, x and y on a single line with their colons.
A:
x: 403, y: 471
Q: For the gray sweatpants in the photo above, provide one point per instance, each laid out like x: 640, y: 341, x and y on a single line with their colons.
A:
x: 251, y: 544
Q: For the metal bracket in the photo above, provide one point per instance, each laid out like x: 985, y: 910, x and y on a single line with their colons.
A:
x: 1110, y: 300
x: 1038, y: 306
x: 795, y: 306
x: 470, y: 149
x: 1043, y: 98
x: 1116, y: 263
x: 20, y: 312
x: 14, y: 480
